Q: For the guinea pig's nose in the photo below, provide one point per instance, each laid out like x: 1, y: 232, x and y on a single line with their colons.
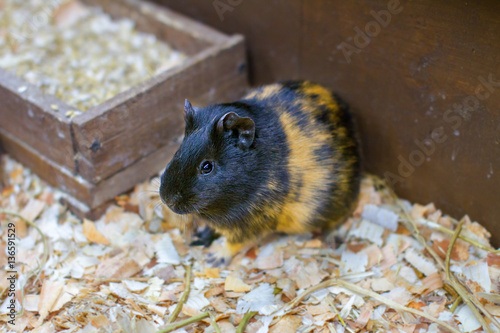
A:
x: 170, y: 200
x: 173, y: 200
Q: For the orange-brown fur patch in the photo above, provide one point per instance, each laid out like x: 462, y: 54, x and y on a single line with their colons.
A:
x: 265, y: 92
x: 307, y: 177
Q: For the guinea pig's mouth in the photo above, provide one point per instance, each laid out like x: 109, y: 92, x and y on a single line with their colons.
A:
x: 180, y: 209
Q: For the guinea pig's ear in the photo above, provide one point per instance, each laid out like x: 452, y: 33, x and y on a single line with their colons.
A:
x: 243, y: 126
x: 189, y: 112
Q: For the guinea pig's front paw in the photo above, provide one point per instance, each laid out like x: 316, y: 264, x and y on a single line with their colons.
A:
x: 333, y: 240
x: 223, y: 256
x: 219, y: 259
x: 204, y: 237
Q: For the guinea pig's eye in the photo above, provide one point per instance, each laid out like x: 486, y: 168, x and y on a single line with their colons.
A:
x: 206, y: 167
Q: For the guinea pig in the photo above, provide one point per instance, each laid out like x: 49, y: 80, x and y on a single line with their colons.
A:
x: 285, y: 158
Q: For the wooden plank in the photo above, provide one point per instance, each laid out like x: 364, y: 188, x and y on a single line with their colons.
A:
x: 82, y: 210
x: 272, y: 32
x: 85, y: 199
x: 403, y: 82
x: 52, y: 173
x: 29, y: 117
x: 81, y: 194
x: 104, y: 193
x: 135, y: 123
x: 132, y: 175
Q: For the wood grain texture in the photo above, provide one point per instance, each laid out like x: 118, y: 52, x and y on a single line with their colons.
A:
x: 29, y: 116
x: 271, y: 29
x: 80, y: 192
x: 46, y: 169
x: 128, y: 178
x: 429, y: 59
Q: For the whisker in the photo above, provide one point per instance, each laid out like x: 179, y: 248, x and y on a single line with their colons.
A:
x: 146, y: 194
x: 142, y: 194
x: 196, y: 223
x: 153, y: 202
x: 207, y: 215
x: 152, y: 189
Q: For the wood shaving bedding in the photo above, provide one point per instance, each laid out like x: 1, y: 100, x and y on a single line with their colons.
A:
x: 126, y: 272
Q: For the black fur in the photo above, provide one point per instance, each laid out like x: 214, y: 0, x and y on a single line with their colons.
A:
x: 239, y: 178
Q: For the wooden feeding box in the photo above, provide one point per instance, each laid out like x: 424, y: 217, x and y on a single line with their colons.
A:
x: 109, y: 148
